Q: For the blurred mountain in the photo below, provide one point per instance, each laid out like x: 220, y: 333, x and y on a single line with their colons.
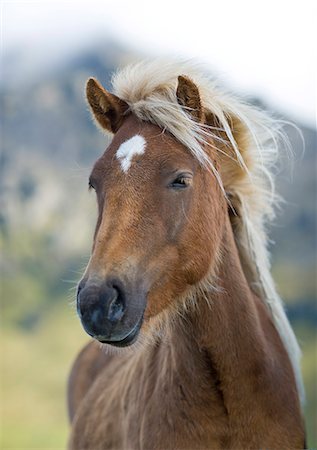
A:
x: 49, y: 145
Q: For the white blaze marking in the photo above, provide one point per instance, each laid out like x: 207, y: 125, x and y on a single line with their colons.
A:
x: 130, y: 148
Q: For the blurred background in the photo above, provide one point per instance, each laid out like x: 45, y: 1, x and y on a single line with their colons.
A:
x: 264, y: 51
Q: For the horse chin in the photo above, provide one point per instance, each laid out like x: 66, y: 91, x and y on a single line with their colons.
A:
x: 127, y: 340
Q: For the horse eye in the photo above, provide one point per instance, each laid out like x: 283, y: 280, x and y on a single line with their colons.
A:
x: 181, y: 182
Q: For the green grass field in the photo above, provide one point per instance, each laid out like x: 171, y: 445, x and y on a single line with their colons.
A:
x: 35, y: 371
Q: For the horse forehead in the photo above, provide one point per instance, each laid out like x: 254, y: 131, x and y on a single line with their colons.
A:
x: 140, y: 140
x: 126, y: 151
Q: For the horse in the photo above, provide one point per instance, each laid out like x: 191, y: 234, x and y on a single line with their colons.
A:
x: 191, y: 346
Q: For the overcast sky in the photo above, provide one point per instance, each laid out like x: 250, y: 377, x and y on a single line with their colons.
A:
x: 266, y: 48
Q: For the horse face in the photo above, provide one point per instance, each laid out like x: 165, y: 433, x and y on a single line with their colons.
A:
x: 156, y: 236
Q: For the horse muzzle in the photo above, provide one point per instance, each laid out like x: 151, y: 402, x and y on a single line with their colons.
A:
x: 110, y: 311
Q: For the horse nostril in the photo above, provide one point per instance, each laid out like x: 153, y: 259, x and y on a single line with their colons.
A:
x: 100, y: 306
x: 81, y: 286
x: 116, y: 306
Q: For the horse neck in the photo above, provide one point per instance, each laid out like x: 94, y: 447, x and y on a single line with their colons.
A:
x: 228, y: 349
x: 233, y: 319
x: 222, y: 315
x: 233, y: 328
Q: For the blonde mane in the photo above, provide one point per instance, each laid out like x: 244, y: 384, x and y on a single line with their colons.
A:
x: 247, y: 140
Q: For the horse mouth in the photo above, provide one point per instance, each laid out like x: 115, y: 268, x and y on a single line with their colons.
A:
x: 126, y: 341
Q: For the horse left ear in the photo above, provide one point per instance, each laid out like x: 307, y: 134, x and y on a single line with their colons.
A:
x: 187, y: 94
x: 107, y: 108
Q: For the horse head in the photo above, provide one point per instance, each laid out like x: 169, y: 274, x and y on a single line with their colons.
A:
x: 159, y: 219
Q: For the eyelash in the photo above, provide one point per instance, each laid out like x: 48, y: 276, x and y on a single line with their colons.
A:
x: 180, y: 182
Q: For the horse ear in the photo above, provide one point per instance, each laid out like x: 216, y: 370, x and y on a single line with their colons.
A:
x: 187, y: 94
x: 107, y: 108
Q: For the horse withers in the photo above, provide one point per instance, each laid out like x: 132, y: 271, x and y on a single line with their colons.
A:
x: 179, y: 280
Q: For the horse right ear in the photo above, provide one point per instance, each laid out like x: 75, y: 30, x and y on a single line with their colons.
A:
x: 107, y: 108
x: 187, y: 94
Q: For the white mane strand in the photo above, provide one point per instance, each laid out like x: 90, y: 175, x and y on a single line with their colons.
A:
x: 248, y: 141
